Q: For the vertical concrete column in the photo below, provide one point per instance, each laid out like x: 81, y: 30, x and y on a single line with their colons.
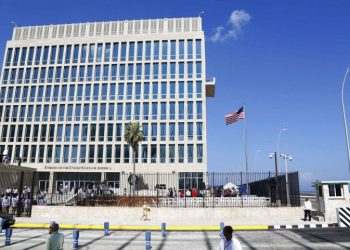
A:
x: 50, y: 190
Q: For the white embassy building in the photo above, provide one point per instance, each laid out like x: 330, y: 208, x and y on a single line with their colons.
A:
x: 68, y: 91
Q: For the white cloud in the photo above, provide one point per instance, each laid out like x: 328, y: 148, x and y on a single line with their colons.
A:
x: 237, y: 20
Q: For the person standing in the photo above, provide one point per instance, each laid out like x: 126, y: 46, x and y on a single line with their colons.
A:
x: 145, y: 211
x: 307, y: 209
x: 228, y: 242
x: 56, y: 239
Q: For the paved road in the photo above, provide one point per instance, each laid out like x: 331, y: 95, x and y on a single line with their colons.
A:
x: 335, y: 238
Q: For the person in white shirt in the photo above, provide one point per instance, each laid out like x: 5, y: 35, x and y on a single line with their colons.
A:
x: 228, y: 242
x: 307, y: 209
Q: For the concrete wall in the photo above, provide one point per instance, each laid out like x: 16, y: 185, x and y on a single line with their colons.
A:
x: 172, y: 216
x: 332, y: 203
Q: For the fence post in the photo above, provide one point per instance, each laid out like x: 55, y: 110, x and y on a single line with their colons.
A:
x: 222, y: 224
x: 75, y: 239
x: 157, y: 189
x: 1, y: 222
x: 20, y: 195
x: 163, y: 230
x: 32, y: 193
x: 106, y: 227
x: 148, y: 240
x: 8, y: 236
x: 213, y: 191
x: 241, y: 186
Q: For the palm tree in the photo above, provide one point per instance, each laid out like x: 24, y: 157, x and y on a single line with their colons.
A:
x: 133, y: 135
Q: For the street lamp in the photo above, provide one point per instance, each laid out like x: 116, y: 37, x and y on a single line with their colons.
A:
x: 344, y: 116
x: 287, y: 158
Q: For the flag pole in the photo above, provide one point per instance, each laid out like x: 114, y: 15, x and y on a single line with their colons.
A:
x: 246, y: 149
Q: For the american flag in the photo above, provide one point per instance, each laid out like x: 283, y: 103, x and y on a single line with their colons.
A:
x: 235, y: 116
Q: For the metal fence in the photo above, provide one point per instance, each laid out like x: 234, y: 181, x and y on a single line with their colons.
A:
x: 16, y: 189
x: 183, y: 189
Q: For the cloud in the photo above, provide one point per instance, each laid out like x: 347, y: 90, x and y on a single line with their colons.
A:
x: 237, y: 20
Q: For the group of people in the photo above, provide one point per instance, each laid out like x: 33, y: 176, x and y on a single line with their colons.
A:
x: 9, y: 200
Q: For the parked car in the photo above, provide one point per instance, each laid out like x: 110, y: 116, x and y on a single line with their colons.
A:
x: 8, y: 220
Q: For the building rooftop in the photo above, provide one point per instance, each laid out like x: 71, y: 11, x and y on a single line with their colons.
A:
x: 111, y: 28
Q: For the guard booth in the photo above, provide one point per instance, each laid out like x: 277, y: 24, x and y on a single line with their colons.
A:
x: 20, y: 179
x: 331, y: 195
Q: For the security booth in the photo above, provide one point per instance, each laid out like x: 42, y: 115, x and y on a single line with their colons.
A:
x: 331, y: 195
x: 17, y: 184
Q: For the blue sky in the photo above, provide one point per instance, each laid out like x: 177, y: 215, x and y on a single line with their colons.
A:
x: 284, y: 60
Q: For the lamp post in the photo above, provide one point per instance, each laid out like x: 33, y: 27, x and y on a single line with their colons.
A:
x: 287, y: 158
x: 344, y: 115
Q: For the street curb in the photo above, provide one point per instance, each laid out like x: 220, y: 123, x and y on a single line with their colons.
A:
x: 174, y: 228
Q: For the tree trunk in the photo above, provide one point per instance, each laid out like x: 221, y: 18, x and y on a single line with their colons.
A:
x: 133, y: 171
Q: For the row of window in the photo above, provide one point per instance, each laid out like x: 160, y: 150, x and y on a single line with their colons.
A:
x: 111, y: 91
x: 105, y: 52
x: 180, y: 153
x: 102, y: 112
x: 100, y: 132
x: 114, y: 72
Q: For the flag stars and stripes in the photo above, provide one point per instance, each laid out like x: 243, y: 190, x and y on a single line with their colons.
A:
x: 235, y: 116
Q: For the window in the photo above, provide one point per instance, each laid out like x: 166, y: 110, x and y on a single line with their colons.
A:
x: 181, y: 70
x: 58, y: 74
x: 68, y: 53
x: 163, y: 111
x: 146, y: 90
x: 120, y: 111
x: 164, y: 70
x: 41, y: 153
x: 126, y: 153
x: 104, y: 91
x: 91, y: 52
x: 162, y: 131
x: 181, y: 49
x: 110, y: 132
x: 181, y: 153
x: 164, y: 90
x: 32, y: 154
x: 76, y: 53
x: 94, y: 112
x: 97, y: 73
x: 199, y: 110
x: 99, y: 52
x: 198, y: 69
x: 121, y: 91
x: 105, y: 72
x: 96, y: 91
x: 172, y: 90
x: 335, y: 190
x: 112, y: 91
x: 189, y: 49
x: 181, y: 131
x: 108, y: 153
x: 199, y: 131
x: 71, y: 92
x: 139, y: 51
x: 111, y: 111
x: 139, y: 71
x: 91, y: 153
x: 92, y: 132
x: 46, y: 55
x: 145, y: 131
x: 189, y: 110
x: 128, y: 111
x: 145, y: 111
x: 51, y: 132
x: 16, y: 56
x: 123, y: 51
x: 74, y: 154
x: 65, y: 74
x: 155, y: 70
x: 114, y: 72
x: 23, y: 56
x: 60, y: 54
x: 9, y: 56
x: 172, y: 49
x: 81, y: 73
x: 38, y: 113
x: 198, y: 49
x: 172, y: 110
x: 130, y: 71
x: 84, y: 132
x: 171, y: 153
x: 154, y: 131
x: 131, y: 51
x: 61, y: 114
x: 69, y: 112
x: 162, y: 153
x: 53, y: 112
x: 129, y: 91
x: 66, y: 153
x: 53, y: 55
x: 117, y: 153
x: 5, y: 77
x: 101, y: 132
x: 43, y: 133
x: 58, y: 154
x: 107, y: 52
x: 115, y: 52
x: 49, y: 154
x: 118, y: 132
x: 67, y: 133
x: 190, y: 70
x: 63, y: 93
x: 82, y: 153
x: 164, y: 50
x: 137, y: 111
x: 87, y: 92
x: 190, y: 131
x: 156, y: 50
x: 20, y: 75
x: 153, y: 153
x: 148, y: 50
x: 155, y: 90
x: 144, y: 153
x: 154, y: 110
x: 172, y: 131
x: 181, y: 111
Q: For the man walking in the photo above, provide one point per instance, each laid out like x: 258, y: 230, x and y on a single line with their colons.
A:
x: 227, y: 242
x: 307, y: 209
x: 56, y: 239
